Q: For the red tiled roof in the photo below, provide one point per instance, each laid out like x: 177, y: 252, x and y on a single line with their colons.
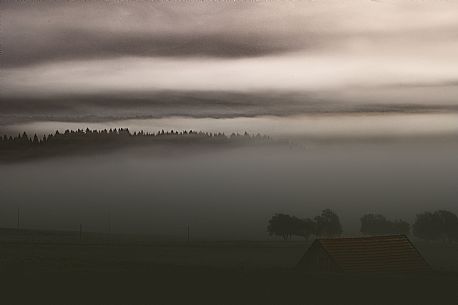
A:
x: 394, y: 253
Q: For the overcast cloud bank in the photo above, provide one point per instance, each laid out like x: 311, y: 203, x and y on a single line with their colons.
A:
x: 102, y: 60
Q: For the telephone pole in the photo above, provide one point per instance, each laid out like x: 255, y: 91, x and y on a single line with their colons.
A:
x: 109, y: 222
x: 18, y: 218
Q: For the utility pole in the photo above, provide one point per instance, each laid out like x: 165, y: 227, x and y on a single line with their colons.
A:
x: 18, y: 218
x: 188, y: 233
x: 109, y: 221
x: 81, y: 232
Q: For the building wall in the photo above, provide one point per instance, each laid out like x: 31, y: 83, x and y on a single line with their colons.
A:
x: 316, y: 259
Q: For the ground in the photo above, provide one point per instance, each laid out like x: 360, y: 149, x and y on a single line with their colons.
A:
x: 40, y: 267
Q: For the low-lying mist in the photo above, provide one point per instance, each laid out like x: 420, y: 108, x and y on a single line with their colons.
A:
x: 228, y: 193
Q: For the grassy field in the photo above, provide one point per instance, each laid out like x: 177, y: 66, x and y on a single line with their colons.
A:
x: 49, y: 267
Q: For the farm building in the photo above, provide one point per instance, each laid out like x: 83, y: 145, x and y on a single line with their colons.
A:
x: 390, y: 254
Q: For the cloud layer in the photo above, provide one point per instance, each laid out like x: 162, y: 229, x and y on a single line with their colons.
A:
x: 35, y: 32
x: 105, y: 59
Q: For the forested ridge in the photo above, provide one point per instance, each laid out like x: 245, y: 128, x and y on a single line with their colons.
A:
x: 73, y: 141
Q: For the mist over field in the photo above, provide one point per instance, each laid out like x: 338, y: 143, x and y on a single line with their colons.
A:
x: 228, y: 193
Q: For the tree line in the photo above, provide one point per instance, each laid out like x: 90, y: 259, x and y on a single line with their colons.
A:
x: 23, y: 145
x: 439, y: 225
x: 286, y: 226
x: 95, y: 136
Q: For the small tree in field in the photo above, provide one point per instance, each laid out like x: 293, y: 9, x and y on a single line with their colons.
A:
x: 400, y: 227
x: 427, y: 226
x: 449, y: 225
x: 304, y: 227
x: 376, y: 224
x: 281, y: 225
x: 440, y: 225
x: 287, y: 226
x: 328, y: 224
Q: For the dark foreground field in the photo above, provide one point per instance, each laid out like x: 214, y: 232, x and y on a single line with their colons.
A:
x: 59, y: 268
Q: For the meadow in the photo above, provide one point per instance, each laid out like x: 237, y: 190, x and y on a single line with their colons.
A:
x: 62, y: 267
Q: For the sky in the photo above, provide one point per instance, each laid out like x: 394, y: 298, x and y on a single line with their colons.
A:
x: 98, y: 61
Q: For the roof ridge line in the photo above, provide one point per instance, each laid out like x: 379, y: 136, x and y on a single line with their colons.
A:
x: 363, y: 237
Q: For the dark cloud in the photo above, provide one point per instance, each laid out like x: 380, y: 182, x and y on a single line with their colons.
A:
x: 48, y: 31
x: 198, y: 104
x: 76, y: 44
x: 41, y: 31
x: 158, y: 104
